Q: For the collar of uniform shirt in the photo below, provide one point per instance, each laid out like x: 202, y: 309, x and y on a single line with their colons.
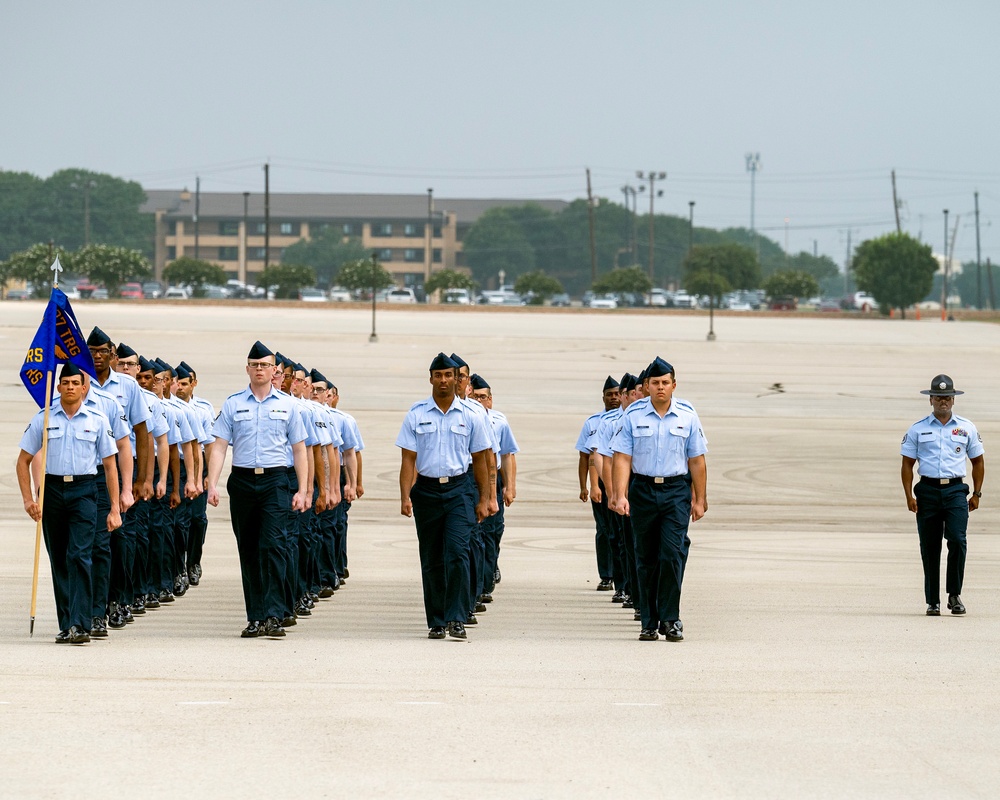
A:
x: 248, y: 393
x: 455, y: 403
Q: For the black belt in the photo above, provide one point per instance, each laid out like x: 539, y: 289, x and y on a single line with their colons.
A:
x: 652, y: 479
x: 258, y: 470
x: 443, y: 481
x: 70, y: 478
x: 939, y: 482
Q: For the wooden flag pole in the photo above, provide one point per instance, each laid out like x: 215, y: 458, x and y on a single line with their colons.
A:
x: 41, y: 503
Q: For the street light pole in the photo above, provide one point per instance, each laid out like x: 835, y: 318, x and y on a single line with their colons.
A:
x: 944, y: 273
x: 430, y: 235
x: 374, y: 336
x: 753, y: 164
x: 244, y: 259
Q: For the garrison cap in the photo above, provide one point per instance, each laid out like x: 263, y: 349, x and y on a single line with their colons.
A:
x: 942, y: 386
x: 459, y: 361
x: 188, y: 367
x: 627, y: 382
x: 641, y: 377
x: 124, y: 351
x: 299, y: 368
x: 164, y: 366
x: 317, y: 377
x: 259, y: 350
x: 478, y: 383
x: 98, y: 338
x: 610, y: 383
x: 182, y: 374
x: 658, y: 368
x: 145, y: 365
x: 69, y: 370
x: 441, y: 361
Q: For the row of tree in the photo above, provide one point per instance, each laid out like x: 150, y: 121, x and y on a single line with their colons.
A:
x: 101, y: 263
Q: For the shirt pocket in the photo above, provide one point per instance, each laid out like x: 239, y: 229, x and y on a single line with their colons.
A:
x: 643, y: 440
x: 959, y: 443
x: 57, y: 432
x: 678, y: 439
x: 278, y: 418
x: 87, y: 435
x: 426, y: 428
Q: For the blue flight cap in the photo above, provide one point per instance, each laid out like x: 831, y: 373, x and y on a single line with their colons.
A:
x: 70, y: 370
x: 259, y: 350
x: 98, y: 338
x: 441, y: 361
x: 124, y: 351
x: 610, y: 383
x: 478, y: 383
x: 459, y: 361
x: 145, y: 365
x: 189, y: 368
x: 658, y: 368
x: 182, y: 374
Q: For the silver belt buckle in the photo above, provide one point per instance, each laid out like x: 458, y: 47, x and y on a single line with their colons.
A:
x: 67, y: 478
x: 258, y: 470
x: 445, y: 479
x: 944, y: 481
x: 658, y: 480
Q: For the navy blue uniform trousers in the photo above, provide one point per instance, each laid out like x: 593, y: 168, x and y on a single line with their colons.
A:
x: 445, y: 515
x: 69, y: 523
x: 660, y: 517
x: 942, y: 511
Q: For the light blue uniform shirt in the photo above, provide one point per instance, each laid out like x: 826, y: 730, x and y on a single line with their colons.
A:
x: 203, y: 418
x: 444, y: 442
x: 157, y: 424
x: 586, y: 442
x: 355, y: 430
x: 205, y: 405
x: 606, y: 429
x: 108, y: 406
x: 175, y: 433
x: 660, y: 446
x: 127, y: 391
x: 183, y: 416
x: 329, y: 433
x: 942, y: 449
x: 503, y: 434
x: 260, y: 430
x: 341, y: 424
x: 77, y: 444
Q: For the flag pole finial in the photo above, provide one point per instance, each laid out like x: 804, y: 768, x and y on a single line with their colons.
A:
x: 56, y: 269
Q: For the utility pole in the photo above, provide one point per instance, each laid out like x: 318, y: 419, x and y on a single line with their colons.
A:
x: 652, y: 176
x: 197, y: 211
x: 430, y: 234
x: 593, y: 241
x: 753, y: 164
x: 847, y: 263
x: 989, y: 283
x: 267, y: 216
x: 374, y: 337
x: 86, y: 213
x: 895, y: 203
x: 979, y: 271
x: 944, y: 272
x: 951, y: 249
x: 243, y: 255
x: 626, y: 189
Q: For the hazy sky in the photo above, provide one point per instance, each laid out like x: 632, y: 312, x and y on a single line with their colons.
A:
x: 516, y: 99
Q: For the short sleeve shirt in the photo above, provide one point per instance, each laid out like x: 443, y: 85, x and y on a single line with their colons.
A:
x: 942, y: 449
x: 77, y: 444
x: 660, y: 446
x: 443, y: 441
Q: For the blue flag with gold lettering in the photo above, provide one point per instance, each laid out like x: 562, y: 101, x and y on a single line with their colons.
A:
x: 58, y: 340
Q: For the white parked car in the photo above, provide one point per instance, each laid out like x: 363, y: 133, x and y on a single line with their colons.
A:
x: 456, y: 297
x: 684, y: 300
x: 864, y: 302
x: 658, y: 298
x: 312, y: 295
x: 339, y: 294
x: 402, y: 295
x: 604, y: 301
x: 176, y: 293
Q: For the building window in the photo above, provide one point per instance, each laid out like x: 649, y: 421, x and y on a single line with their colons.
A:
x: 258, y: 253
x: 413, y: 255
x: 414, y: 230
x: 260, y: 228
x: 437, y: 231
x: 436, y: 255
x: 382, y: 229
x: 171, y: 253
x: 171, y: 227
x: 229, y: 253
x: 348, y: 229
x: 289, y: 229
x: 385, y: 254
x: 413, y: 279
x: 229, y: 227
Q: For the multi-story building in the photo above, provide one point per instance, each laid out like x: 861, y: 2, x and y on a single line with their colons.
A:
x: 413, y: 235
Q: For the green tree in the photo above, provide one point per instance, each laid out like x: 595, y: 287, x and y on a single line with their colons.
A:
x: 195, y: 272
x: 111, y: 265
x: 497, y: 242
x: 733, y: 262
x: 790, y: 283
x: 895, y: 269
x: 287, y: 279
x: 326, y: 253
x: 32, y: 265
x: 709, y: 284
x: 822, y: 268
x: 449, y: 279
x: 361, y: 274
x: 538, y: 285
x: 624, y: 279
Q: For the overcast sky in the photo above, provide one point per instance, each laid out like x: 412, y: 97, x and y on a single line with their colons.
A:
x: 516, y: 99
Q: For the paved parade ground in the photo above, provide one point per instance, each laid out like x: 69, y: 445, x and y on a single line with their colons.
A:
x: 808, y: 669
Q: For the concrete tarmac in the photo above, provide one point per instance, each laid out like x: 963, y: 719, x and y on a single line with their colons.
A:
x: 809, y: 668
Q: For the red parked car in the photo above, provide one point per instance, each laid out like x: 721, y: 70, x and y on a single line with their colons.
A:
x: 131, y: 291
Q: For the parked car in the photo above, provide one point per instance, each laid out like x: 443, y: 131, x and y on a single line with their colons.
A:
x: 19, y: 294
x: 131, y: 291
x: 784, y: 303
x: 339, y: 294
x: 312, y: 295
x: 85, y: 288
x: 864, y: 302
x: 659, y: 298
x: 829, y: 304
x: 456, y: 297
x: 100, y: 293
x: 152, y: 290
x: 561, y: 300
x: 400, y: 295
x: 604, y: 301
x: 215, y: 293
x: 177, y: 293
x: 684, y: 300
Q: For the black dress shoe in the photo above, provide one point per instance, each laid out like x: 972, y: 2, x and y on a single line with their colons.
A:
x: 289, y: 621
x: 139, y: 606
x: 273, y: 629
x: 672, y: 631
x: 251, y: 631
x: 79, y: 636
x: 180, y: 586
x: 152, y: 601
x: 99, y: 628
x: 618, y: 597
x: 346, y: 574
x: 195, y: 574
x: 456, y: 630
x: 955, y: 604
x: 117, y: 618
x: 627, y: 602
x: 165, y: 596
x: 326, y: 591
x: 934, y: 610
x: 605, y: 586
x: 480, y: 608
x: 637, y: 616
x: 127, y: 613
x: 472, y: 620
x: 487, y: 597
x: 648, y: 635
x: 62, y: 637
x: 496, y: 577
x: 437, y: 632
x: 302, y: 611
